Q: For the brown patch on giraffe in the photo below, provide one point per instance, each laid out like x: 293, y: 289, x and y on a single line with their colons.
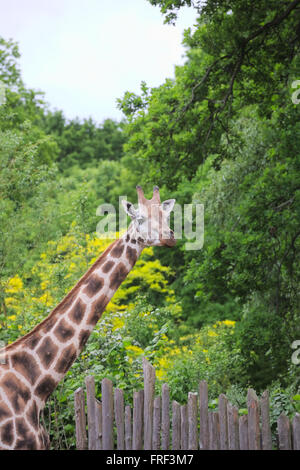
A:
x: 133, y: 241
x: 49, y: 323
x: 16, y: 391
x: 47, y: 352
x: 93, y: 286
x: 118, y: 249
x: 5, y: 412
x: 83, y: 337
x: 26, y: 439
x: 117, y: 276
x: 127, y: 237
x: 45, y: 387
x: 32, y: 341
x: 131, y: 254
x: 107, y: 266
x: 63, y: 331
x: 97, y: 309
x: 77, y: 312
x: 7, y: 435
x: 67, y: 302
x: 33, y: 415
x: 66, y: 359
x: 26, y: 364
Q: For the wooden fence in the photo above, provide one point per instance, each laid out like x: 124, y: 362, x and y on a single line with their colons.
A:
x: 155, y: 424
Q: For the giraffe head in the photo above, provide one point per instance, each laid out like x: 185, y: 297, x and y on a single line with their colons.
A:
x: 150, y: 221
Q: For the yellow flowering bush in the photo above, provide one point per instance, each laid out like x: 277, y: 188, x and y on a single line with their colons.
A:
x: 61, y: 265
x: 209, y: 354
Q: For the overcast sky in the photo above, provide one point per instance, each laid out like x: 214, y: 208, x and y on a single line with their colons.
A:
x: 84, y: 54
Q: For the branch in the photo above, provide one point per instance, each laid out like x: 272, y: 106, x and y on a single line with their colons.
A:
x: 286, y: 203
x: 203, y: 79
x: 275, y: 22
x: 237, y: 66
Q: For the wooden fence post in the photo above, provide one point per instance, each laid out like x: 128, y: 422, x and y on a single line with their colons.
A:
x: 156, y: 424
x: 119, y: 417
x: 107, y: 415
x: 203, y: 408
x: 243, y: 432
x: 214, y: 430
x: 184, y: 429
x: 253, y: 420
x: 165, y: 417
x: 98, y: 410
x: 284, y: 432
x: 296, y: 431
x: 137, y: 430
x: 128, y: 429
x: 233, y: 427
x: 176, y: 426
x: 149, y: 387
x: 223, y: 422
x: 192, y: 420
x: 93, y: 441
x: 266, y: 435
x: 80, y: 419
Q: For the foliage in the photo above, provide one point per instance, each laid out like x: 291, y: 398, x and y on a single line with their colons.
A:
x: 83, y: 143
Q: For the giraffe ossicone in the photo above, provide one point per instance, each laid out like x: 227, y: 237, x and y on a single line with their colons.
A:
x: 32, y: 366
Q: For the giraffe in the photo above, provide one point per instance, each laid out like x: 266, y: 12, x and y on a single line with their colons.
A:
x: 32, y: 366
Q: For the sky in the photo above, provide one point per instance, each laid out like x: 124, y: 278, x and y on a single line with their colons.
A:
x: 84, y: 54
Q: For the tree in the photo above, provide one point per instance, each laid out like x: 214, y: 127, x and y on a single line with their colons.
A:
x: 240, y: 53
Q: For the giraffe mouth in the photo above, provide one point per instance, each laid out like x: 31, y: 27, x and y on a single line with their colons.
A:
x: 168, y: 242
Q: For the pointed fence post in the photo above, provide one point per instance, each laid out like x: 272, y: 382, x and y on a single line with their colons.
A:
x: 253, y: 420
x: 119, y: 417
x: 192, y: 420
x: 243, y: 432
x: 156, y: 423
x: 128, y: 428
x: 138, y: 412
x: 176, y: 425
x: 266, y: 435
x: 233, y: 427
x: 165, y: 417
x: 107, y: 415
x: 149, y: 387
x: 296, y: 431
x: 91, y: 413
x: 184, y: 430
x: 223, y: 422
x: 284, y: 432
x: 203, y: 408
x: 80, y: 419
x: 99, y: 423
x: 214, y: 430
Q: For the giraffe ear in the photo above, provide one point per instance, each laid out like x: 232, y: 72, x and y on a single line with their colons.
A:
x: 129, y: 209
x: 167, y: 206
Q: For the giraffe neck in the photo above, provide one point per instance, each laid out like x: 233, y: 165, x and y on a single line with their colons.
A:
x: 35, y: 364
